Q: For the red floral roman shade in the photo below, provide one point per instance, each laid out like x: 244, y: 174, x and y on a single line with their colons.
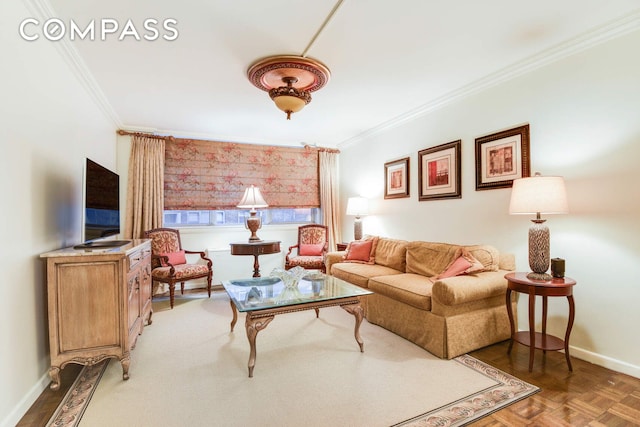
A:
x: 208, y: 175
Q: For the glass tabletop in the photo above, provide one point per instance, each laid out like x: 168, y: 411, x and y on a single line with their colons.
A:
x: 259, y: 293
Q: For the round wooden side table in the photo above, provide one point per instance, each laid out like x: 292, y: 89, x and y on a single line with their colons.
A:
x: 257, y: 248
x: 557, y: 287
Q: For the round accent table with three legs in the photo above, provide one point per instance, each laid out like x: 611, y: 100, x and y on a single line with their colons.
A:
x: 556, y: 287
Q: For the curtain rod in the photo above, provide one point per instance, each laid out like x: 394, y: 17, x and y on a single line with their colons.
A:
x: 149, y: 135
x: 173, y: 138
x: 323, y: 149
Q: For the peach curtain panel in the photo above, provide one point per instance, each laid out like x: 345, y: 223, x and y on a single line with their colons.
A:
x: 329, y: 195
x: 209, y: 175
x: 145, y: 197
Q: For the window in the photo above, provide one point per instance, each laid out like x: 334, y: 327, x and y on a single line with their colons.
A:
x: 231, y: 217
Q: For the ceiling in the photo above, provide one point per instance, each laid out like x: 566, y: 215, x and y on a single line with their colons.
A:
x: 389, y: 60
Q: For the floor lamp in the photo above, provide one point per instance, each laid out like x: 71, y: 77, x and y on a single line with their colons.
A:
x: 539, y: 195
x: 357, y: 206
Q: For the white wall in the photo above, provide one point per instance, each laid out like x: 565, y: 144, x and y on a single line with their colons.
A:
x: 585, y: 125
x: 48, y: 125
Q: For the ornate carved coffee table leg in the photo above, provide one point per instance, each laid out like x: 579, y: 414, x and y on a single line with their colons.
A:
x: 255, y: 325
x: 235, y: 314
x: 54, y: 374
x: 358, y: 312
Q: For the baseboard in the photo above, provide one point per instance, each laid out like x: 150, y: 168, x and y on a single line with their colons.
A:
x: 606, y: 362
x: 23, y: 406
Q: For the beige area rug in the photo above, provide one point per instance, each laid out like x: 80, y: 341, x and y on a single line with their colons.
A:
x: 189, y: 370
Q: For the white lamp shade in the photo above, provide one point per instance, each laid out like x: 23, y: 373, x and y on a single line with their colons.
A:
x: 539, y: 194
x: 357, y: 206
x: 252, y: 199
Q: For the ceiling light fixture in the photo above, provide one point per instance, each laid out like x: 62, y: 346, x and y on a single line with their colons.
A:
x: 289, y: 80
x: 288, y: 98
x: 301, y: 75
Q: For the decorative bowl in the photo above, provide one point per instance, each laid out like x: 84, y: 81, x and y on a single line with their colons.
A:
x: 291, y: 277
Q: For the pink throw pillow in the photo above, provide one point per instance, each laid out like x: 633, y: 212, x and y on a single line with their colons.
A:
x: 476, y: 266
x: 311, y: 249
x: 464, y: 264
x: 457, y: 267
x: 359, y: 251
x: 175, y: 258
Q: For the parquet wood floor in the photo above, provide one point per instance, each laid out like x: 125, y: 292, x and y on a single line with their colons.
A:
x: 589, y: 396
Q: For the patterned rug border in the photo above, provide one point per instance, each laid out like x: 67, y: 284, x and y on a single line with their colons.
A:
x: 75, y: 402
x: 507, y: 391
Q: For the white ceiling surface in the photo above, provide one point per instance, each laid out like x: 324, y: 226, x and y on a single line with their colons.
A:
x: 388, y: 59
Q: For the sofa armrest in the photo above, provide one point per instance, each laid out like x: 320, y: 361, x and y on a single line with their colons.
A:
x: 333, y: 258
x: 467, y: 288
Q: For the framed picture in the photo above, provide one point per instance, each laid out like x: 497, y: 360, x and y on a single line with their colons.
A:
x: 396, y: 179
x: 502, y: 157
x: 439, y: 172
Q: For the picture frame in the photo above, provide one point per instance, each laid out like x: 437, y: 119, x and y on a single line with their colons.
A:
x: 396, y: 179
x: 502, y: 157
x: 439, y: 172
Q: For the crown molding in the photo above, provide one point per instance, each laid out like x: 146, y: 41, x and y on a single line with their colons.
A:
x: 587, y: 40
x: 43, y: 10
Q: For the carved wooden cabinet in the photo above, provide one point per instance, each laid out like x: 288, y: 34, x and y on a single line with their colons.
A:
x: 98, y: 302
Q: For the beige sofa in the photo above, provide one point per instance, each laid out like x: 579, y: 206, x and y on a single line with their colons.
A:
x: 447, y: 317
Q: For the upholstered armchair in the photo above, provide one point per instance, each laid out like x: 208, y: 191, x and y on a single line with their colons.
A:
x: 169, y: 264
x: 313, y: 244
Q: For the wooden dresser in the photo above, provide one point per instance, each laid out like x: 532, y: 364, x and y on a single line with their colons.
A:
x: 98, y: 302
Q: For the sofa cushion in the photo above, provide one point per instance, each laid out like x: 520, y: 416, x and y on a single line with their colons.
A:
x: 408, y: 288
x: 430, y: 259
x: 487, y: 255
x: 392, y: 253
x: 359, y: 274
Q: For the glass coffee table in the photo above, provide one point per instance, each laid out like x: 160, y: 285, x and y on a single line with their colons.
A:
x: 262, y: 298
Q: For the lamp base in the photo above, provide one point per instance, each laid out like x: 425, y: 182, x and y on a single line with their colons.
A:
x: 539, y: 250
x: 543, y: 277
x: 253, y: 223
x: 357, y: 229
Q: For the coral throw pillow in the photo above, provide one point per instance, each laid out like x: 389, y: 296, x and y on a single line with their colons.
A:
x: 361, y: 251
x: 464, y: 264
x: 311, y: 249
x: 175, y: 258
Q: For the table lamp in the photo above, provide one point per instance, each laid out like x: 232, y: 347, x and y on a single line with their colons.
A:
x: 253, y: 199
x: 537, y: 195
x: 357, y: 206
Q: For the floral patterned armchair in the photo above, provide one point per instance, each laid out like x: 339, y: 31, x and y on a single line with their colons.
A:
x: 169, y: 264
x: 313, y: 244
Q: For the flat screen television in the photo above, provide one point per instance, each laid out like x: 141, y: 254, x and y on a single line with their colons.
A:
x: 101, y: 215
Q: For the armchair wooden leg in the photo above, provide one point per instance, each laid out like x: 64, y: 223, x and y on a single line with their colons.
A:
x: 209, y: 283
x: 172, y: 293
x: 182, y: 288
